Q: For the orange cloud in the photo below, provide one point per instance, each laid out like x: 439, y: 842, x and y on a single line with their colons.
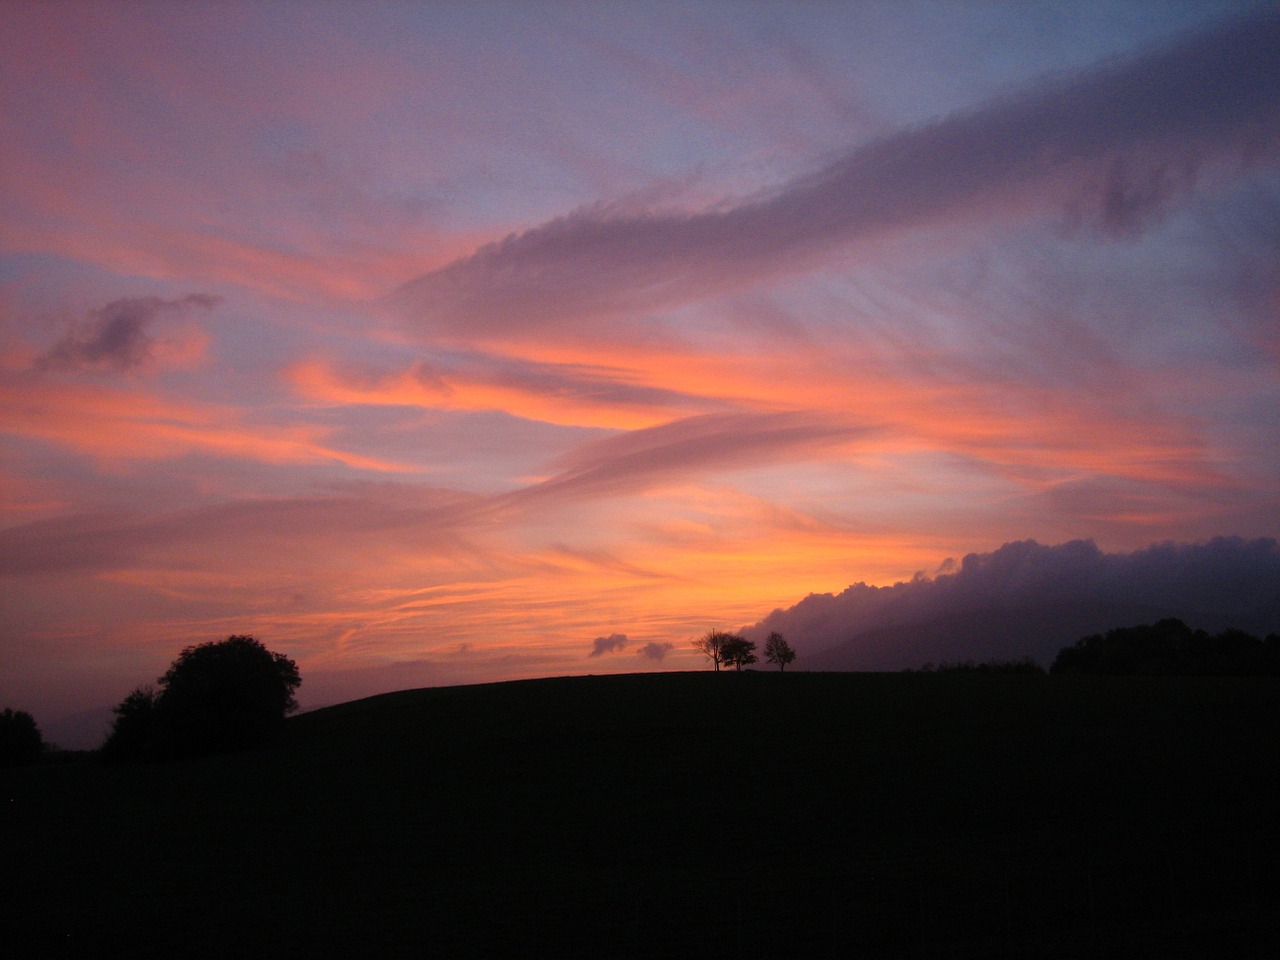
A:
x: 1022, y: 428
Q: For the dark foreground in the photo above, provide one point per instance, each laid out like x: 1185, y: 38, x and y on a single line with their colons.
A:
x: 686, y: 815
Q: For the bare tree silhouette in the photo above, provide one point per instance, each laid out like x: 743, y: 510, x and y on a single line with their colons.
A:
x: 711, y: 645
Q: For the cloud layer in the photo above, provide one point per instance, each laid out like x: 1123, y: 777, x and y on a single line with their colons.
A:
x: 481, y: 337
x: 1027, y: 599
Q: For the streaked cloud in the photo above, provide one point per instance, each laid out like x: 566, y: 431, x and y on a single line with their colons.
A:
x: 122, y: 423
x: 113, y: 541
x: 1111, y: 149
x: 639, y: 459
x: 566, y: 394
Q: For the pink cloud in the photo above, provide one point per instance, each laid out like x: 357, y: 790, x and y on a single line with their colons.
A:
x: 143, y: 142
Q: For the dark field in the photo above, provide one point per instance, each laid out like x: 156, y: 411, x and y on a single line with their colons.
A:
x: 706, y: 815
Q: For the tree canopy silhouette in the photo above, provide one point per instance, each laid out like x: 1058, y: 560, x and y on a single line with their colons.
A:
x: 136, y: 731
x: 20, y: 740
x: 216, y: 697
x: 1171, y: 648
x: 738, y: 652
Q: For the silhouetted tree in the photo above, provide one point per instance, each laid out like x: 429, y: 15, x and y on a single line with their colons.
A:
x: 216, y: 697
x: 1170, y: 648
x: 738, y: 651
x: 135, y: 732
x: 777, y: 650
x: 229, y: 694
x: 20, y: 740
x: 711, y: 645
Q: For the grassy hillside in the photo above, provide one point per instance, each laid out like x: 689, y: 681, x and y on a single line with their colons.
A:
x: 681, y: 815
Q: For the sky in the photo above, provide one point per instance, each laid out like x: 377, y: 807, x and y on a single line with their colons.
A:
x: 443, y: 343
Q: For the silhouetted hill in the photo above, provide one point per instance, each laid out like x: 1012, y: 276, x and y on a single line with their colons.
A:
x: 708, y: 815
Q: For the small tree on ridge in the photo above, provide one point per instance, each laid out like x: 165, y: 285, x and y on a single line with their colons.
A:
x: 777, y: 650
x: 738, y: 651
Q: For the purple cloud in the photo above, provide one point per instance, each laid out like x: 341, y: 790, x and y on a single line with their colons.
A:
x: 116, y: 337
x: 655, y: 651
x: 614, y: 643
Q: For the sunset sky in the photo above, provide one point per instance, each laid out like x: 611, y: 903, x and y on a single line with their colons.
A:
x: 448, y: 342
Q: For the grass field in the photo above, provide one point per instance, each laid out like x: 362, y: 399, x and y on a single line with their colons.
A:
x: 753, y: 815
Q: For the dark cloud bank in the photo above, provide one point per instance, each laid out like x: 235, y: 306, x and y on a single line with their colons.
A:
x: 1030, y: 600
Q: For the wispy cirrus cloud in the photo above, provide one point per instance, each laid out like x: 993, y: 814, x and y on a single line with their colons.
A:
x: 1111, y: 149
x: 115, y: 424
x: 566, y: 394
x: 324, y: 528
x: 640, y: 459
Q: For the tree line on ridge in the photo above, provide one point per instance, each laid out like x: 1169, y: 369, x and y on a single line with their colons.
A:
x: 233, y: 694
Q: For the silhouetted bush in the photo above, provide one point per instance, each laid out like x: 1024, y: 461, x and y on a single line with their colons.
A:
x: 20, y: 740
x: 216, y: 697
x: 1171, y: 648
x: 135, y: 733
x: 1025, y: 666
